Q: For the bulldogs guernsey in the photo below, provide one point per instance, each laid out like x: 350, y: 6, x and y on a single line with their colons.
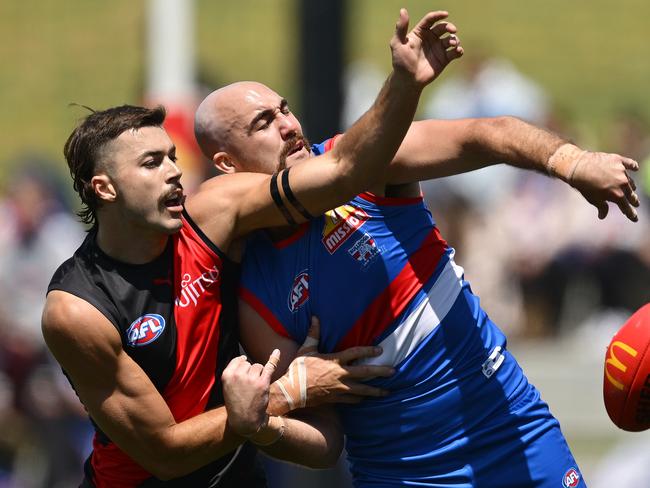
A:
x: 177, y: 319
x: 460, y: 413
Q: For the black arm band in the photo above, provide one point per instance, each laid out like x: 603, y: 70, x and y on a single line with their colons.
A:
x: 292, y: 198
x: 275, y: 194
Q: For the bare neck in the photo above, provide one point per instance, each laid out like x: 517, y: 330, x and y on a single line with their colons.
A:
x: 129, y: 245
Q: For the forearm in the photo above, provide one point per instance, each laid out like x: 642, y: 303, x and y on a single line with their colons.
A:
x: 366, y: 149
x: 189, y: 445
x: 512, y: 141
x: 310, y: 438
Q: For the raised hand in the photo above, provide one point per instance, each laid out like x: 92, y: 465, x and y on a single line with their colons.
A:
x: 602, y: 178
x: 246, y: 393
x: 314, y: 379
x: 423, y: 53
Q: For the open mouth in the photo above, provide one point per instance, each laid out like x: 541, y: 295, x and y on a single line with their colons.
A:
x: 175, y: 200
x: 299, y: 146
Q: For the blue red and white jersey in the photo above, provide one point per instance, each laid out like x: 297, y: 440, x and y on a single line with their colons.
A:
x: 377, y: 272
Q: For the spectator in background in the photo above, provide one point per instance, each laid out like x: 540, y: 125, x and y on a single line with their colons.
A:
x: 37, y: 418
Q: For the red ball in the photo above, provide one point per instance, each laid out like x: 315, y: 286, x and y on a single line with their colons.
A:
x: 626, y: 382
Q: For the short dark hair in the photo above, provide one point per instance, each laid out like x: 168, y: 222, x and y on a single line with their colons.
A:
x: 82, y: 149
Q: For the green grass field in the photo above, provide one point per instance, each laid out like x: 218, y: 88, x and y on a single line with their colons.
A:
x: 592, y: 58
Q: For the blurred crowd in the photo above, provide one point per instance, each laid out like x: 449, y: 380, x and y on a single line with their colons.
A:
x: 45, y: 435
x: 533, y: 249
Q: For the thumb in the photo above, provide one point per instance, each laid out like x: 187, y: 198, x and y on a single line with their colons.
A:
x: 310, y: 346
x: 402, y: 25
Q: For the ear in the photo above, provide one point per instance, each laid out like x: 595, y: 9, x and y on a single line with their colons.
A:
x: 224, y: 162
x: 103, y: 188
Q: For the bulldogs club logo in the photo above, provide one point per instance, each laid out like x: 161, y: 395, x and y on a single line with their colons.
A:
x: 299, y: 293
x: 144, y: 330
x: 364, y: 250
x: 571, y: 478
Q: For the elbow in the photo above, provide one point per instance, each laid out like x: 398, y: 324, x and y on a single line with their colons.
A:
x: 330, y: 457
x: 484, y: 129
x: 487, y: 137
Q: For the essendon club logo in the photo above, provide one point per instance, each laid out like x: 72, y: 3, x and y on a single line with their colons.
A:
x: 340, y: 224
x: 299, y: 292
x: 144, y: 330
x: 571, y: 478
x: 613, y: 361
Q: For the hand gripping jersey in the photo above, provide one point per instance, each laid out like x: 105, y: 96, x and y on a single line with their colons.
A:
x: 177, y: 319
x: 460, y: 412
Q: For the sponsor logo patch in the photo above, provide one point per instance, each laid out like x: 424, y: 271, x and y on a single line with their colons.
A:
x: 364, y: 250
x: 144, y: 330
x: 299, y: 293
x: 571, y: 478
x: 192, y: 288
x: 340, y: 224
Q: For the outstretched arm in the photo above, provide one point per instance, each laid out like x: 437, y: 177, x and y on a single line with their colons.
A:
x: 437, y: 148
x: 360, y: 158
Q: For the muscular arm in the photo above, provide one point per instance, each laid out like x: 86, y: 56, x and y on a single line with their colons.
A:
x: 437, y: 148
x: 313, y: 437
x: 122, y: 400
x: 358, y: 161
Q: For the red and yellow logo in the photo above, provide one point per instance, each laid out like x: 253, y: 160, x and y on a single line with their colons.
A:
x: 340, y: 224
x: 616, y: 363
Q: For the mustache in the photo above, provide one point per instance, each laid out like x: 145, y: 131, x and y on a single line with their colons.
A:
x: 288, y: 147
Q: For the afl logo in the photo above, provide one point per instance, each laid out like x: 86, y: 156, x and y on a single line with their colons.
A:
x: 299, y: 293
x: 571, y: 478
x: 144, y: 330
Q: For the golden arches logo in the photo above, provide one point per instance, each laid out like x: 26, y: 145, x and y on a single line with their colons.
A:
x: 617, y: 363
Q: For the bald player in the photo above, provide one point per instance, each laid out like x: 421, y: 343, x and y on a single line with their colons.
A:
x: 376, y: 271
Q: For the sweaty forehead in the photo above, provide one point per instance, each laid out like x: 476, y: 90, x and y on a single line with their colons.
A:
x: 260, y: 98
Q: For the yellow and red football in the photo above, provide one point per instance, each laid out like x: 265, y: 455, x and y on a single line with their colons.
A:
x: 626, y: 382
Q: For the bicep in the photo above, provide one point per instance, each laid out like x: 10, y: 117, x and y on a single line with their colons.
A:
x: 259, y: 339
x: 117, y: 393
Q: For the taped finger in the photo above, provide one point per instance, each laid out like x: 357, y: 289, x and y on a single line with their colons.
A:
x: 272, y: 364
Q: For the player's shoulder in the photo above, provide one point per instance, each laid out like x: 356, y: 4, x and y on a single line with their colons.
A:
x: 68, y: 320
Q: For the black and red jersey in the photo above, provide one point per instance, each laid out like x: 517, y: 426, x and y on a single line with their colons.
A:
x: 177, y: 317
